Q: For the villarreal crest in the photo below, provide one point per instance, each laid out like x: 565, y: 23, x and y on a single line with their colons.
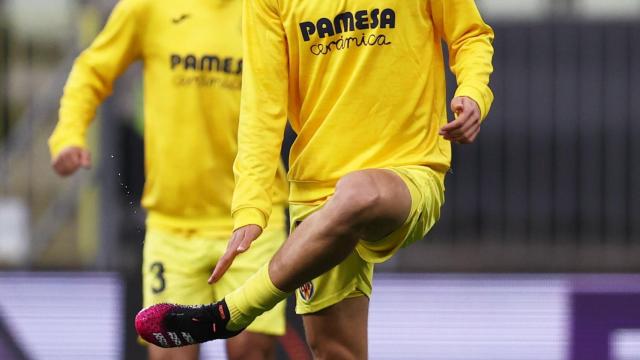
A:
x: 306, y: 291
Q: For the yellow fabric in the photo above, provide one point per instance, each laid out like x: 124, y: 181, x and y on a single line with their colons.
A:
x: 353, y: 277
x: 257, y: 295
x: 362, y: 84
x: 427, y: 197
x: 191, y: 52
x: 177, y: 265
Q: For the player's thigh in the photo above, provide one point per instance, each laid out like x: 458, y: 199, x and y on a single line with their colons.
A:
x: 376, y: 200
x: 175, y: 268
x: 426, y: 191
x: 339, y: 331
x: 248, y: 263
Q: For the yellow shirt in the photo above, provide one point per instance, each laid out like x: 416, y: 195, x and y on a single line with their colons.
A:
x: 362, y: 83
x: 192, y: 56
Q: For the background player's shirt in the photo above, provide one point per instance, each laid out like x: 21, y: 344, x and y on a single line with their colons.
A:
x: 192, y: 56
x: 362, y: 83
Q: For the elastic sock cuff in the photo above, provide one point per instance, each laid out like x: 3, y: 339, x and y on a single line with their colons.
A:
x: 256, y: 296
x: 270, y: 284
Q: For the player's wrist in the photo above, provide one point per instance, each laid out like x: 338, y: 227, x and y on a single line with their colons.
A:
x: 249, y: 216
x: 481, y: 98
x: 57, y: 147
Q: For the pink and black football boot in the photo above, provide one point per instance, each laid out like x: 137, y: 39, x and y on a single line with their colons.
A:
x: 169, y: 325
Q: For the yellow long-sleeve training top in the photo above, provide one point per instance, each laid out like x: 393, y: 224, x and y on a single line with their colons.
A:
x: 192, y: 57
x: 363, y: 85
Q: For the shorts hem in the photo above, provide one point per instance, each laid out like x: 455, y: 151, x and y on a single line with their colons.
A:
x: 329, y: 300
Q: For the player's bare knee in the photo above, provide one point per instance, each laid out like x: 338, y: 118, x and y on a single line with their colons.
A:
x: 357, y: 197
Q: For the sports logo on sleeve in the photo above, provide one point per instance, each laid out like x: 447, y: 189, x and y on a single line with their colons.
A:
x: 306, y: 291
x: 348, y: 30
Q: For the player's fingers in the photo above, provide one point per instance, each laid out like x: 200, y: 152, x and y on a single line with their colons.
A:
x: 464, y: 129
x: 470, y: 136
x: 457, y: 105
x: 64, y: 165
x: 70, y: 159
x: 460, y: 136
x: 222, y: 266
x: 226, y: 260
x: 72, y: 162
x: 471, y: 106
x: 56, y: 164
x: 59, y: 168
x: 455, y: 124
x: 474, y: 135
x: 472, y: 121
x: 77, y: 155
x: 85, y: 159
x: 245, y: 243
x: 250, y: 233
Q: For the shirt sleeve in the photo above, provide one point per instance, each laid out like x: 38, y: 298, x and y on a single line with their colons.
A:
x: 470, y: 48
x: 93, y: 73
x: 263, y: 112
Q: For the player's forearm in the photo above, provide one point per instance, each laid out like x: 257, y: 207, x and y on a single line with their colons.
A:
x: 255, y: 171
x: 473, y: 69
x: 263, y: 113
x: 471, y: 51
x: 93, y: 73
x: 255, y: 167
x: 83, y: 93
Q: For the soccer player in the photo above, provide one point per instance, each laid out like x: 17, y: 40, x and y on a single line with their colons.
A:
x: 363, y: 84
x: 192, y: 57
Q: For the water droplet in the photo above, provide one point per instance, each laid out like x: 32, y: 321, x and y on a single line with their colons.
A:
x: 112, y: 156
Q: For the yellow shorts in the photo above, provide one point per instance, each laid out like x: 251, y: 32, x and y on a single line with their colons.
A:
x: 177, y: 264
x: 353, y: 276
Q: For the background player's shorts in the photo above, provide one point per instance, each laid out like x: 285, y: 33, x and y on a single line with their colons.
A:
x: 354, y: 275
x: 177, y: 264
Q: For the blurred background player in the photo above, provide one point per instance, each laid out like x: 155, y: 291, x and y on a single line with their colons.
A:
x: 365, y: 91
x: 192, y: 58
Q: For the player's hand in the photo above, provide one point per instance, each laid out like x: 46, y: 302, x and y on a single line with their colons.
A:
x: 70, y: 160
x: 465, y: 128
x: 240, y: 242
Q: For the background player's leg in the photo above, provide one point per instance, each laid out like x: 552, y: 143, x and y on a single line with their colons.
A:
x: 367, y: 205
x: 258, y: 341
x: 251, y: 346
x: 339, y: 331
x: 184, y: 353
x: 175, y: 267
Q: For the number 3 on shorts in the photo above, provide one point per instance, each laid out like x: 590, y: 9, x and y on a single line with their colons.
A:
x: 158, y: 269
